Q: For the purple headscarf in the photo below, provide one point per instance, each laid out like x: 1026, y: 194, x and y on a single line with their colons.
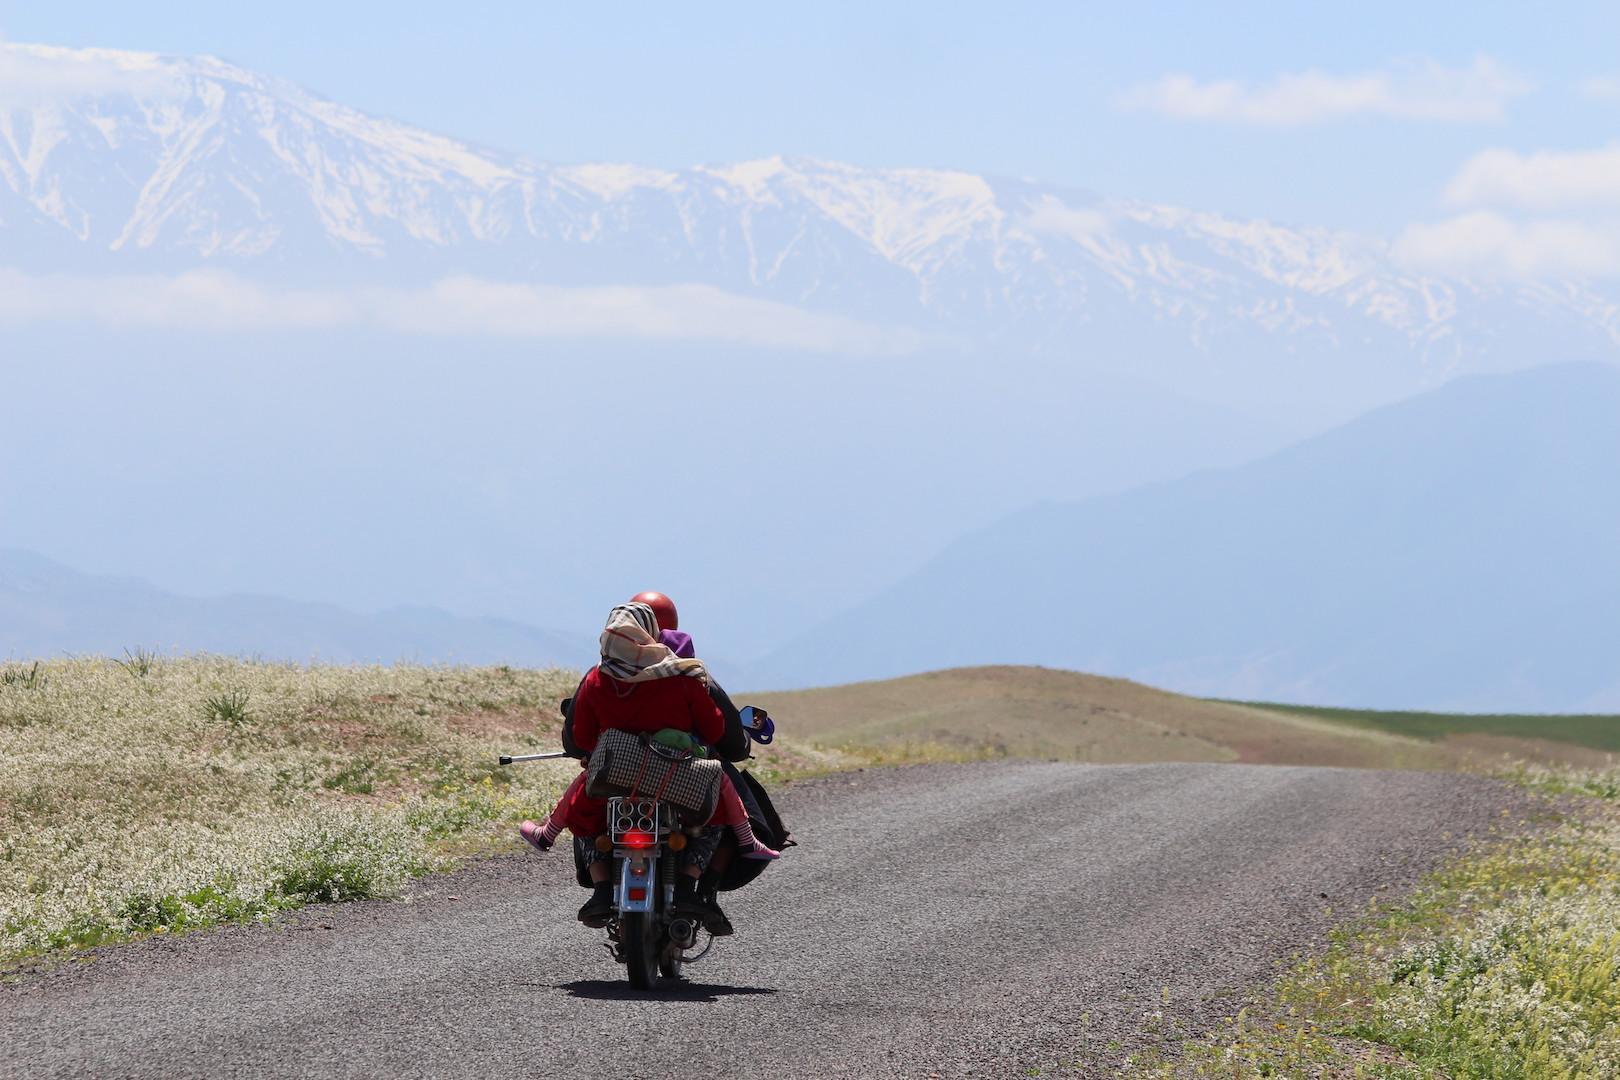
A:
x: 679, y: 642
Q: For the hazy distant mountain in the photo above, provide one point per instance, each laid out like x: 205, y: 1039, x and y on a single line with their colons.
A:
x: 130, y: 161
x: 1460, y: 550
x: 1061, y: 344
x: 48, y: 610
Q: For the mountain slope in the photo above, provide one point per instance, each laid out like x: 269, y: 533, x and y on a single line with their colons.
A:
x: 1457, y: 551
x: 47, y: 610
x: 165, y: 163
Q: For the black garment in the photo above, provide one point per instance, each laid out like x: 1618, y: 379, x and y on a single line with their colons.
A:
x: 585, y: 853
x: 767, y: 823
x: 734, y: 745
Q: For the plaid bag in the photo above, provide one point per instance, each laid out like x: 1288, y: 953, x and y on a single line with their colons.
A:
x: 623, y: 763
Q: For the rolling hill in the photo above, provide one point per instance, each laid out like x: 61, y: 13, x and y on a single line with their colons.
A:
x: 1043, y: 713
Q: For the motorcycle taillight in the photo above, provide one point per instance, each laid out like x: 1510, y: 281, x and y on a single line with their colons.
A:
x: 637, y: 839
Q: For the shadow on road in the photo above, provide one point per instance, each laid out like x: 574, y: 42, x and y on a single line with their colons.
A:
x: 676, y: 990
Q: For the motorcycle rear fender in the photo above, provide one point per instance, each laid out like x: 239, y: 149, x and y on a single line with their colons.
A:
x: 639, y: 872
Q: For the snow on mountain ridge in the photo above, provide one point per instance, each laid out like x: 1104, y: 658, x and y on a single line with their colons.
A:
x: 114, y: 160
x: 902, y: 214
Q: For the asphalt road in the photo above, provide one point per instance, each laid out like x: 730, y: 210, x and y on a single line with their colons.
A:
x: 954, y: 921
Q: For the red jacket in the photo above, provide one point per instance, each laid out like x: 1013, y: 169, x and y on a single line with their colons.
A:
x: 679, y: 702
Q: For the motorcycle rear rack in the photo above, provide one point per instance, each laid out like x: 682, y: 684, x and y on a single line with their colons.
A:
x: 627, y: 814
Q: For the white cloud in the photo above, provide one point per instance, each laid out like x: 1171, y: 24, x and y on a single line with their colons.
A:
x: 1602, y: 88
x: 1485, y: 244
x: 30, y: 74
x: 1415, y: 90
x: 213, y: 300
x: 1565, y: 227
x: 1545, y: 180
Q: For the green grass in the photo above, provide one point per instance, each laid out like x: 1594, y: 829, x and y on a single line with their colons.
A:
x: 1504, y: 964
x: 1595, y: 731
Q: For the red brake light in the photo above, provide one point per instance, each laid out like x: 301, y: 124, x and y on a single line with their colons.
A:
x: 637, y: 839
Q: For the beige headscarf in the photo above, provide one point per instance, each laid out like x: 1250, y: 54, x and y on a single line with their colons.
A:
x: 632, y: 651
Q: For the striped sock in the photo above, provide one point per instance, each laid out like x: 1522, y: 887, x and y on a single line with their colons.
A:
x: 541, y: 836
x: 748, y: 844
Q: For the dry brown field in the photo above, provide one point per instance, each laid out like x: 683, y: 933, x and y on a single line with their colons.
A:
x: 1043, y: 713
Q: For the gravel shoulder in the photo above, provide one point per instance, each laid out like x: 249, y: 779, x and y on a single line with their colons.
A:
x: 972, y: 920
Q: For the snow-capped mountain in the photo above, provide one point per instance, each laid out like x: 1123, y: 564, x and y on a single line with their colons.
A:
x: 117, y: 162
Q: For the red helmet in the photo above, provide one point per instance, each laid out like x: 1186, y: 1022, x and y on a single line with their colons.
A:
x: 663, y: 608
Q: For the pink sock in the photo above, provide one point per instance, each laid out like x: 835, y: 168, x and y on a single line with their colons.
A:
x: 541, y: 836
x: 748, y: 844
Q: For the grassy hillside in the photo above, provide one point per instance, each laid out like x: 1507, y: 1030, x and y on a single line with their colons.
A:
x: 1047, y: 713
x: 1576, y: 733
x: 152, y: 795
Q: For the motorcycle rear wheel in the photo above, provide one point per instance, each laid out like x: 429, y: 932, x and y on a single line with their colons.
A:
x: 640, y: 942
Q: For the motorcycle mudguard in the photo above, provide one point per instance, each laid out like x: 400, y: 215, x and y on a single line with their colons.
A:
x: 638, y: 874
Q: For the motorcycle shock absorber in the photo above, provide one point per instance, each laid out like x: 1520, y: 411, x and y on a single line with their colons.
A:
x: 666, y: 870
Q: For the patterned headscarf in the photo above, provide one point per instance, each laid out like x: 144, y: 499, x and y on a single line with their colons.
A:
x: 632, y: 651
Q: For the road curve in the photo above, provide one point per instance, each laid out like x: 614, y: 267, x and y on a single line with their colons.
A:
x: 979, y: 920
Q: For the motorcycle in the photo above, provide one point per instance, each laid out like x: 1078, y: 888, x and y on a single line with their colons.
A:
x: 644, y: 934
x: 646, y: 836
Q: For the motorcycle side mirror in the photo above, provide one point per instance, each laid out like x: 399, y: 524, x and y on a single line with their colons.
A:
x: 757, y: 723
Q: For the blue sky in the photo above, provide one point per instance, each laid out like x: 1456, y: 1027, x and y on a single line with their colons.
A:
x: 1039, y: 90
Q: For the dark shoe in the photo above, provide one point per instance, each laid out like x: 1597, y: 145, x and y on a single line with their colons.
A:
x: 599, y: 908
x: 686, y: 900
x: 715, y: 921
x: 698, y: 903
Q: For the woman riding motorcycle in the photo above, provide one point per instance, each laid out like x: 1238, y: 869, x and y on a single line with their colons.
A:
x: 641, y: 685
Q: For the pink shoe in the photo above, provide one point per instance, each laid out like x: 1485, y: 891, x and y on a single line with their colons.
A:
x: 535, y: 834
x: 761, y: 852
x: 749, y: 847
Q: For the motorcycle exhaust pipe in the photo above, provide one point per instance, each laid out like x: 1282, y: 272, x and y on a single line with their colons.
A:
x: 683, y: 932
